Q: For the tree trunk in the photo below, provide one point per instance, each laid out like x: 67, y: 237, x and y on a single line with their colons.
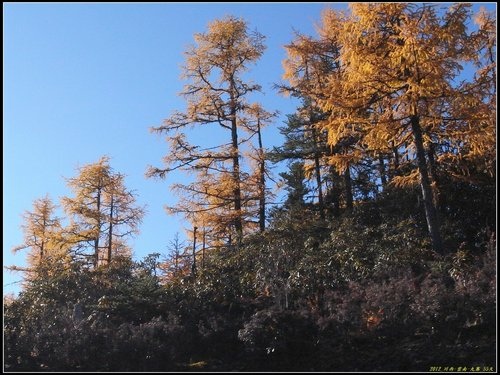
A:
x: 430, y: 210
x: 42, y: 245
x: 110, y: 240
x: 348, y: 189
x: 381, y: 168
x: 203, y: 248
x: 317, y: 170
x: 98, y: 225
x: 396, y: 160
x: 433, y: 175
x: 262, y: 182
x: 193, y: 266
x: 333, y: 193
x: 238, y: 224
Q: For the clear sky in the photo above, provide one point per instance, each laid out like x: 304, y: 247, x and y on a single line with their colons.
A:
x: 83, y: 80
x: 86, y: 80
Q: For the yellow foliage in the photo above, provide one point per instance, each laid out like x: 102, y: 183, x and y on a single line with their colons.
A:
x: 342, y: 161
x: 222, y: 196
x: 394, y: 61
x: 411, y: 179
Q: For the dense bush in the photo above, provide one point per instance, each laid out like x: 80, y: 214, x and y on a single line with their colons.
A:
x: 279, y: 340
x: 359, y: 292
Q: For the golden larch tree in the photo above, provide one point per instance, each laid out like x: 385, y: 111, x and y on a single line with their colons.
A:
x: 102, y: 213
x: 398, y: 85
x: 216, y: 95
x: 43, y: 239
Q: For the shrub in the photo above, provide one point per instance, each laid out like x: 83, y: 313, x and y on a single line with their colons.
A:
x: 279, y: 339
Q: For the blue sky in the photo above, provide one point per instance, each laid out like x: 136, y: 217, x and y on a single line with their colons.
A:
x: 82, y: 80
x: 86, y: 80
